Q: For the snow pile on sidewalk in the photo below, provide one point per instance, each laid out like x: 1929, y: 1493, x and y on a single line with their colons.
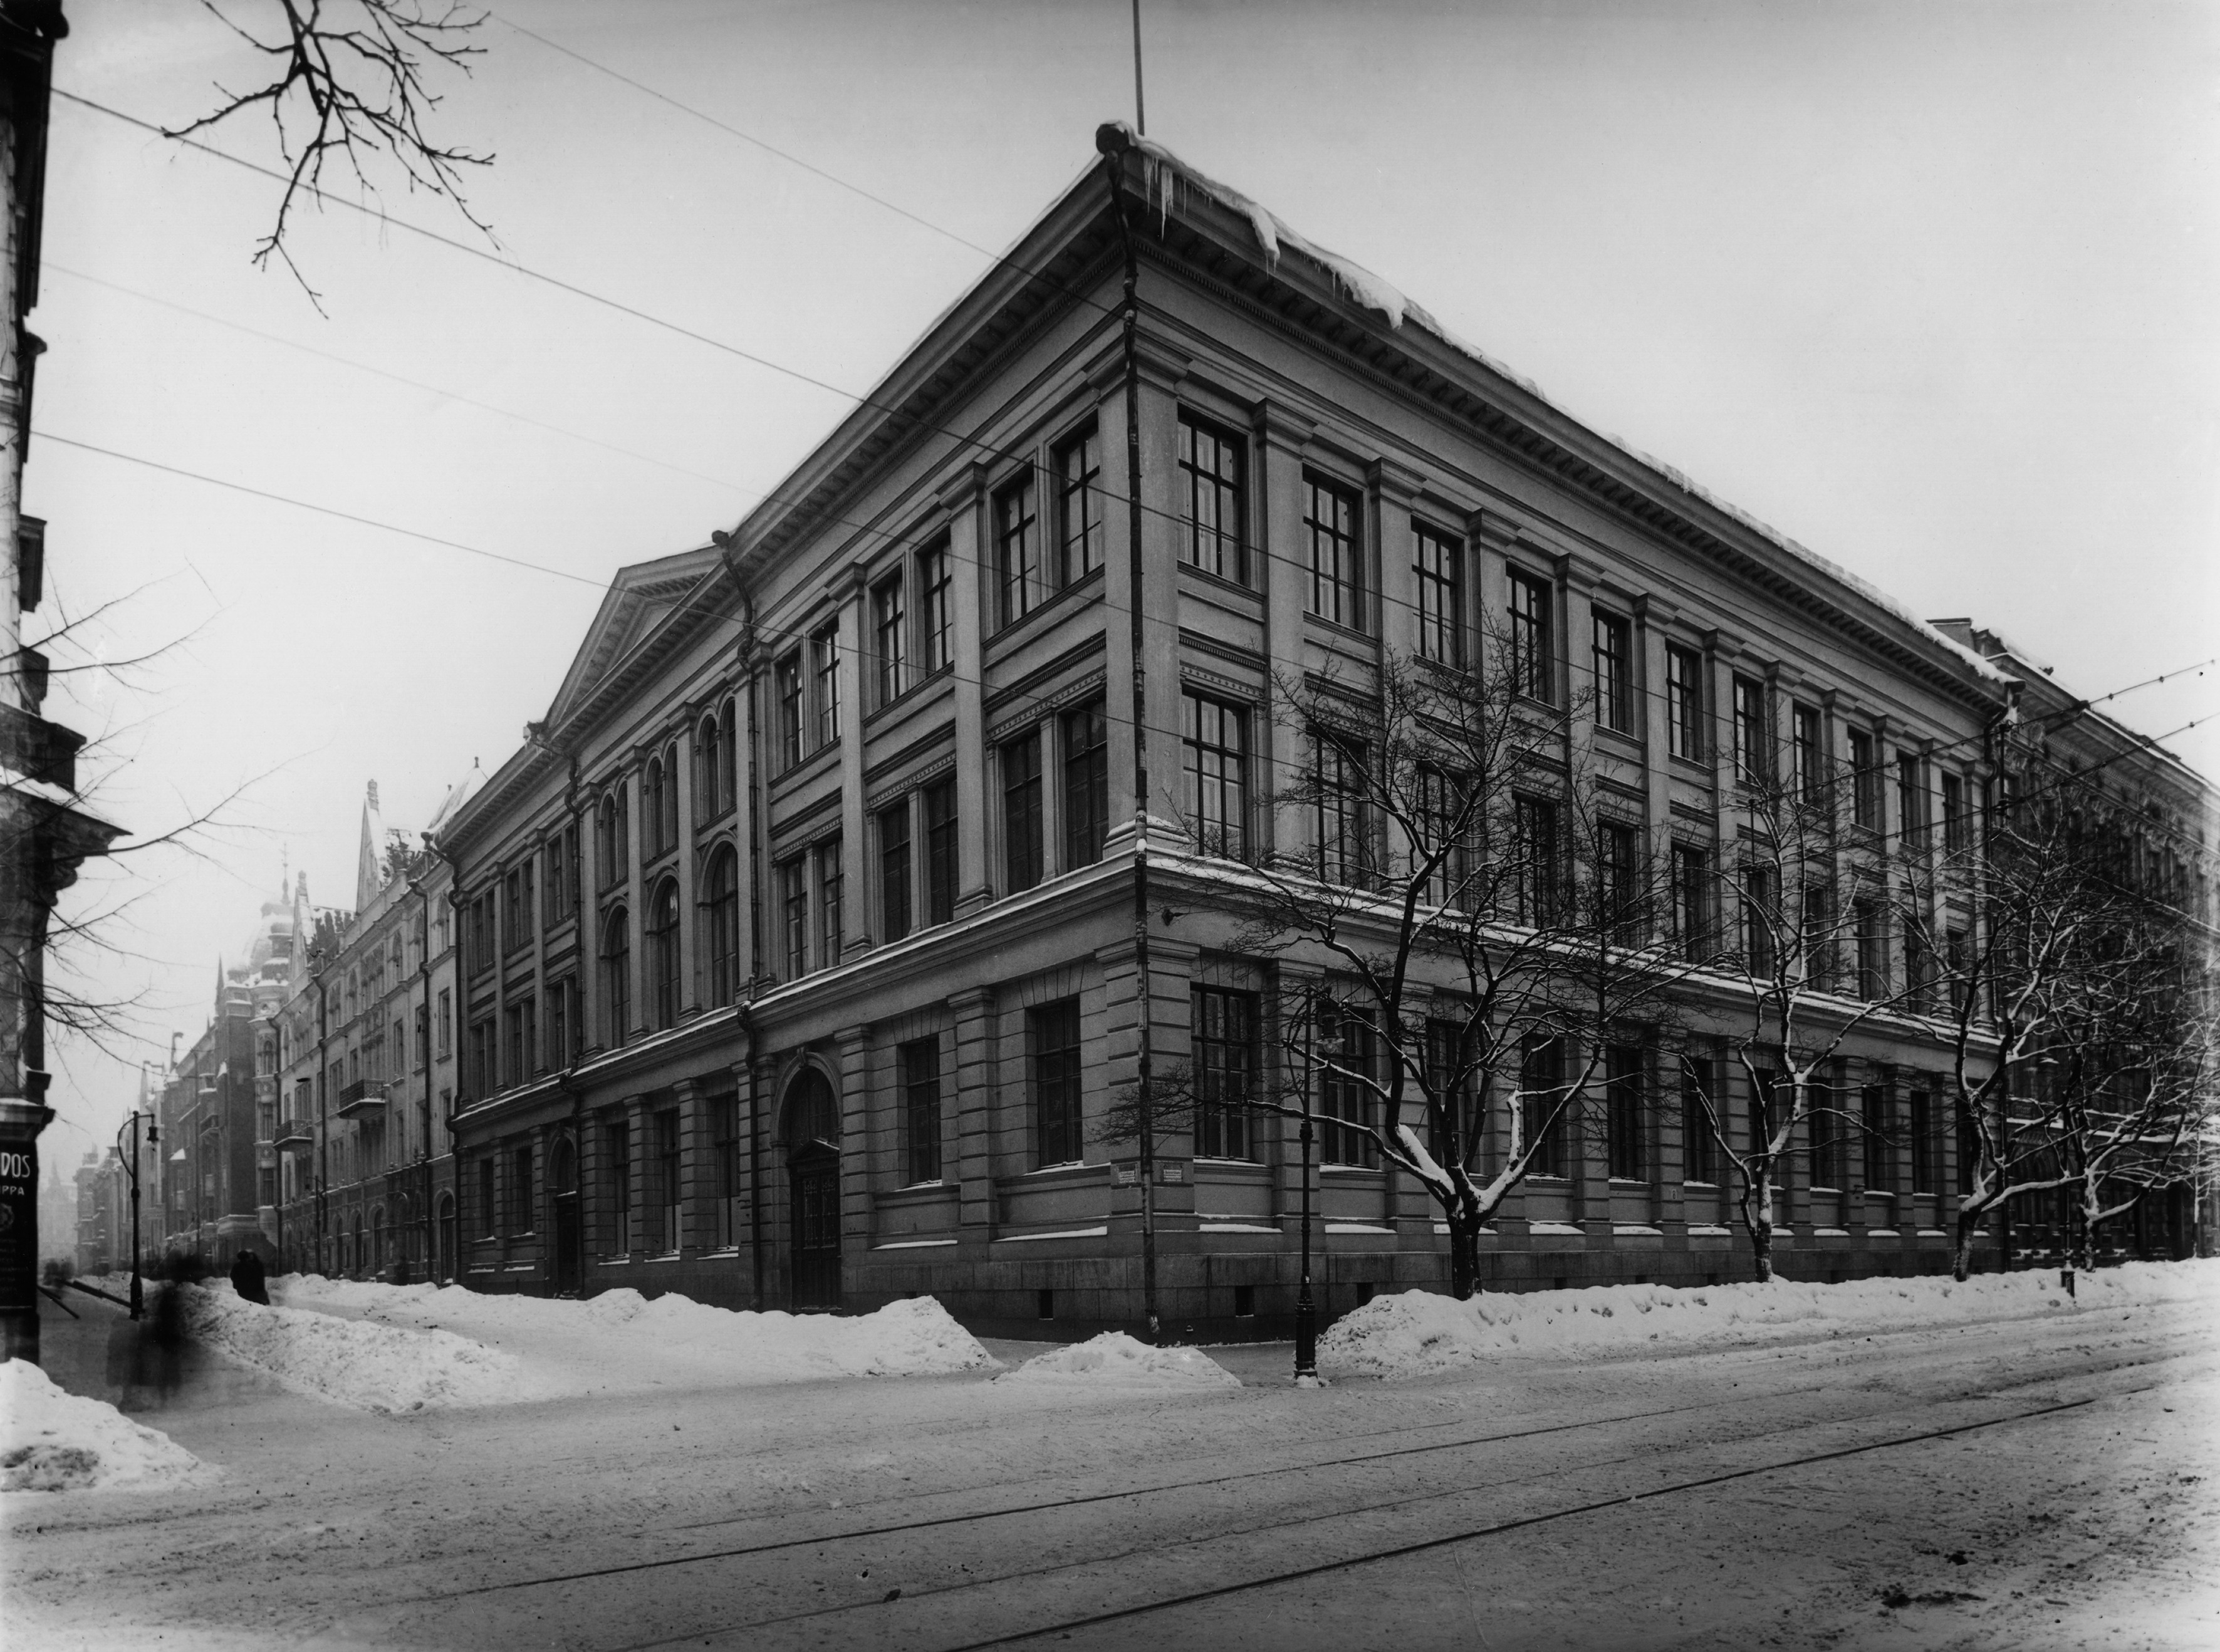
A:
x: 52, y: 1440
x: 1115, y: 1358
x: 622, y: 1341
x: 1419, y: 1331
x: 355, y: 1362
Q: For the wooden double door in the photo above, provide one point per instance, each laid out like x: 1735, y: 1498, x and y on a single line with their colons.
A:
x: 816, y: 1240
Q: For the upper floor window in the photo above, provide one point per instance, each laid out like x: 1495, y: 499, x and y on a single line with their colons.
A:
x: 1910, y: 799
x: 616, y: 978
x: 1438, y: 561
x: 936, y: 634
x: 517, y: 913
x: 1613, y: 652
x: 1533, y: 667
x: 1865, y: 780
x: 658, y: 804
x: 1216, y: 738
x: 1957, y: 825
x: 1330, y: 518
x: 1807, y: 754
x: 559, y: 899
x: 1751, y: 745
x: 709, y: 769
x: 1343, y: 827
x: 1019, y: 574
x: 1085, y: 785
x: 1021, y: 813
x: 786, y: 691
x: 890, y: 632
x: 728, y: 770
x: 894, y: 914
x: 723, y: 901
x: 940, y: 865
x: 1692, y: 901
x: 793, y: 915
x: 1079, y: 506
x: 1536, y: 870
x: 1210, y: 482
x: 663, y: 955
x: 824, y: 669
x: 1684, y: 702
x: 831, y: 903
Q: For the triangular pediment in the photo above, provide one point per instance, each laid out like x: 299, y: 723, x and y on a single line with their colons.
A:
x: 640, y: 598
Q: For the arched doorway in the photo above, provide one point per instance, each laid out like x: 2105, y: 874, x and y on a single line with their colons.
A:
x: 569, y: 1261
x: 812, y: 1134
x: 446, y: 1237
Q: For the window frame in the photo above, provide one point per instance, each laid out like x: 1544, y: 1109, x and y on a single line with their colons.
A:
x: 1024, y: 848
x: 918, y: 1069
x: 1080, y: 489
x: 1021, y: 587
x: 1216, y: 792
x: 1684, y: 702
x: 1610, y: 645
x: 1206, y: 544
x: 1437, y: 565
x: 1531, y: 636
x: 897, y: 901
x: 1335, y: 537
x: 890, y: 628
x: 1084, y: 739
x: 1057, y: 1049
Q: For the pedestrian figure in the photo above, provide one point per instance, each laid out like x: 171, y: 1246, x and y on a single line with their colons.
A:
x: 165, y: 1339
x: 247, y: 1278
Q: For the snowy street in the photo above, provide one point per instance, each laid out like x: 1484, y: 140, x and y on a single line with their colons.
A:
x: 2048, y: 1480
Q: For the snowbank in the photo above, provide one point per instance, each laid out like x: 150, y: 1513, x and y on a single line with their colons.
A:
x: 1115, y: 1358
x: 52, y: 1440
x: 622, y: 1341
x: 356, y: 1362
x: 1418, y: 1333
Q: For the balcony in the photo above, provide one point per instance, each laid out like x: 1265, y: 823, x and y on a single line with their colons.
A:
x: 294, y: 1136
x: 362, y: 1099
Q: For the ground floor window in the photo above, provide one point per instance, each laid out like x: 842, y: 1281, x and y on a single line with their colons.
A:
x: 1056, y: 1059
x: 1225, y: 1067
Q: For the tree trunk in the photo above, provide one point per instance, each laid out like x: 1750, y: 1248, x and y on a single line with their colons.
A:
x: 1465, y: 1252
x: 1961, y: 1254
x: 1757, y: 1219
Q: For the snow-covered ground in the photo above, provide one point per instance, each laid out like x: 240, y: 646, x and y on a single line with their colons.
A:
x: 1115, y: 1358
x: 401, y: 1347
x: 1420, y: 1332
x: 54, y: 1441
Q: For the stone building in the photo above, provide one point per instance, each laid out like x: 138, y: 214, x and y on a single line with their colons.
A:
x: 812, y: 933
x: 362, y: 1059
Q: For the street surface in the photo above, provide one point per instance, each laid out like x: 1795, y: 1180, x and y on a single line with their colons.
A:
x: 2032, y: 1483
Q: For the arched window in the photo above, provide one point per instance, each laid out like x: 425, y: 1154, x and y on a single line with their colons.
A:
x: 728, y: 769
x: 616, y: 978
x: 813, y: 1112
x: 663, y: 955
x: 723, y: 901
x: 606, y: 830
x: 709, y: 783
x: 667, y: 831
x: 653, y: 786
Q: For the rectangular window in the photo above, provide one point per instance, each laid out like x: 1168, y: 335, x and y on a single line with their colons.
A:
x: 726, y: 1120
x: 1085, y: 785
x: 793, y: 911
x: 1698, y: 1157
x: 1753, y: 755
x: 1957, y: 825
x: 1446, y: 1072
x: 1346, y: 1099
x: 1918, y: 968
x: 935, y: 613
x: 824, y: 667
x: 786, y: 689
x: 1444, y: 835
x: 619, y: 1184
x: 1210, y: 484
x: 1625, y: 1117
x: 664, y: 1194
x: 1865, y: 780
x: 894, y: 871
x: 940, y: 865
x: 1541, y: 1086
x: 1873, y: 955
x: 485, y: 1077
x: 1613, y: 650
x: 1880, y: 1155
x: 1816, y: 935
x: 517, y: 908
x: 920, y: 1062
x: 1216, y: 750
x: 1619, y: 890
x: 489, y: 1213
x: 1536, y: 874
x: 1533, y: 662
x: 832, y: 904
x: 890, y: 627
x: 1825, y: 1125
x: 1761, y: 917
x: 1805, y: 753
x: 519, y: 1191
x: 1055, y: 1052
x: 1019, y: 575
x: 1957, y: 951
x: 562, y: 1022
x: 1910, y: 799
x: 1344, y: 827
x: 1225, y: 1062
x: 446, y: 1022
x: 1684, y: 703
x: 1922, y: 1141
x: 1022, y: 848
x: 1692, y: 901
x: 1079, y: 506
x: 1439, y: 563
x: 1331, y: 516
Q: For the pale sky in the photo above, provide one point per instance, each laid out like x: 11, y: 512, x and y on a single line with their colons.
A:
x: 1927, y: 287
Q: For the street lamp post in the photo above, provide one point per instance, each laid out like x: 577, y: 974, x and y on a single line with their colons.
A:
x: 1306, y: 1375
x: 154, y: 1141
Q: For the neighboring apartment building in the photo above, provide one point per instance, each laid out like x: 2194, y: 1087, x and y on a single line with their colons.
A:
x: 361, y: 1059
x: 799, y: 952
x: 211, y: 1175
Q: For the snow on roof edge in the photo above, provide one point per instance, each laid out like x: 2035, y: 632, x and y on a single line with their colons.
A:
x: 1165, y: 173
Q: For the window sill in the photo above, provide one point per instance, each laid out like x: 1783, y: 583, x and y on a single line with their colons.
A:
x: 914, y: 696
x: 1335, y: 631
x: 1628, y: 742
x: 1195, y: 570
x: 1067, y: 596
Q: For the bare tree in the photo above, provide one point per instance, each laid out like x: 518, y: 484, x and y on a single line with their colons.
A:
x: 1462, y: 931
x: 349, y: 78
x: 1792, y: 943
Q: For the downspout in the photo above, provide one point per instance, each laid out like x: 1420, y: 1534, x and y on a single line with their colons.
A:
x: 1112, y: 143
x: 462, y: 1068
x: 747, y: 655
x: 323, y: 1120
x: 426, y: 1255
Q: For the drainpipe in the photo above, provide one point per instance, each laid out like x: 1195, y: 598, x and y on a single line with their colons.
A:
x: 323, y: 1112
x: 1112, y: 144
x: 455, y: 1105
